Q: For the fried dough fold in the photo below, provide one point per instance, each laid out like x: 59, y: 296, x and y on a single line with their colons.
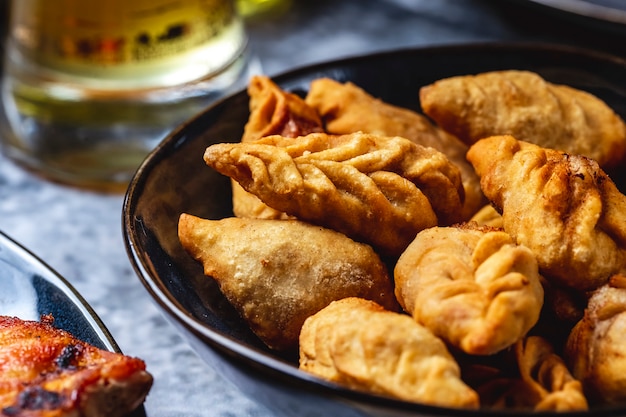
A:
x: 346, y: 108
x: 472, y: 286
x: 524, y: 105
x: 563, y: 207
x: 358, y: 343
x: 533, y: 377
x: 276, y: 273
x: 375, y: 189
x: 273, y: 111
x: 595, y: 347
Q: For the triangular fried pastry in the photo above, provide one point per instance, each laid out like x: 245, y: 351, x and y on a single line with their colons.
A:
x: 564, y: 208
x: 375, y: 189
x: 346, y: 108
x: 595, y: 347
x: 524, y: 105
x: 276, y: 273
x: 273, y: 111
x: 359, y: 344
x: 472, y: 286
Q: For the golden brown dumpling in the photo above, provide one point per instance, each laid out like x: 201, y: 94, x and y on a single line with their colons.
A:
x: 472, y: 286
x: 595, y: 348
x: 375, y: 189
x: 524, y: 105
x: 277, y: 273
x: 346, y: 108
x: 358, y: 343
x: 533, y: 377
x: 273, y: 111
x: 562, y: 207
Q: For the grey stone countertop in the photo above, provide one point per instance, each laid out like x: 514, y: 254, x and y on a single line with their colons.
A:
x: 78, y: 232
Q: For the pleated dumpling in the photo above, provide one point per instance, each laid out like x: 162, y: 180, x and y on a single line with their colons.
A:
x: 375, y: 189
x: 533, y: 377
x: 524, y: 105
x: 358, y: 343
x: 346, y: 108
x: 472, y: 286
x: 563, y: 207
x: 276, y: 273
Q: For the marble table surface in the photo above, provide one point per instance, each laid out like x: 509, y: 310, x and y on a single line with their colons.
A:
x: 78, y: 232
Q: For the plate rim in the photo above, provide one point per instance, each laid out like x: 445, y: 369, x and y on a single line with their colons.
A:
x: 51, y: 276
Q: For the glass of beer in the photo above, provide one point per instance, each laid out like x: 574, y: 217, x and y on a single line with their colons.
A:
x: 91, y: 87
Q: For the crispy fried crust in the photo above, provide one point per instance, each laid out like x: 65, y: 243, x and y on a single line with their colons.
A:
x: 564, y: 208
x: 472, y: 286
x: 273, y: 111
x: 47, y: 372
x: 345, y: 108
x: 358, y: 343
x: 595, y: 347
x: 524, y: 105
x: 375, y: 189
x: 276, y: 273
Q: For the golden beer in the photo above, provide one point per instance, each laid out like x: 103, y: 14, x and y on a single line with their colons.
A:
x: 91, y: 87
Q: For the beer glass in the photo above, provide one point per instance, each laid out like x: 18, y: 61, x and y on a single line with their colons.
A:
x: 90, y: 87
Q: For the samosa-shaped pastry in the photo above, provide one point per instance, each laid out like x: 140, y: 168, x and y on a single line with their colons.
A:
x: 346, y: 108
x: 273, y: 111
x: 277, y: 273
x: 375, y: 189
x: 595, y: 348
x: 564, y: 208
x: 524, y: 105
x: 358, y: 343
x: 472, y: 286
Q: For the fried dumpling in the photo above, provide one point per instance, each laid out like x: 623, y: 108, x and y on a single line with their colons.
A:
x: 595, y: 348
x: 533, y: 377
x: 375, y: 189
x: 358, y: 343
x: 472, y: 286
x: 276, y: 273
x: 564, y: 208
x: 524, y: 105
x: 346, y: 108
x: 273, y: 111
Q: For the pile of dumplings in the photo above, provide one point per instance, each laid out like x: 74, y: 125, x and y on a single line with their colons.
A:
x: 470, y: 256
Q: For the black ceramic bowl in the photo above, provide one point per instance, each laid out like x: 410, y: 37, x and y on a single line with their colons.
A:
x: 174, y: 179
x: 29, y: 289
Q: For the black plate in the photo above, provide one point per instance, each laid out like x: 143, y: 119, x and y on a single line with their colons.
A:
x: 174, y: 179
x: 605, y: 15
x: 29, y: 289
